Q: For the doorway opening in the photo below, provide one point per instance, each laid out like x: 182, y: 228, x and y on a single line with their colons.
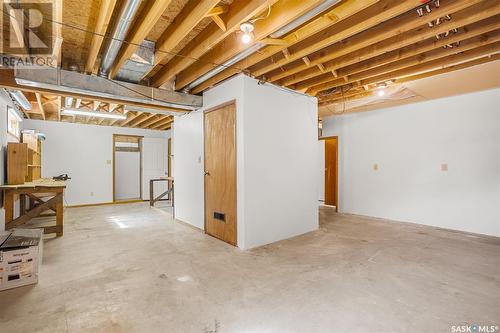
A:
x: 220, y: 172
x: 331, y: 190
x: 127, y: 168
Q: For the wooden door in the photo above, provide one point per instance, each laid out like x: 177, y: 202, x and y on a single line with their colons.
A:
x: 220, y: 173
x: 331, y: 153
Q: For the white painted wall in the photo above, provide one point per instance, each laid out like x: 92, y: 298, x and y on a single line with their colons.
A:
x: 85, y: 153
x: 187, y: 168
x: 409, y: 143
x: 280, y: 164
x: 276, y: 161
x: 127, y: 175
x: 155, y: 165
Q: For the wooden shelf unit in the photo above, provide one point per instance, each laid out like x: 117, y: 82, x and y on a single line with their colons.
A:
x: 24, y: 160
x: 34, y: 165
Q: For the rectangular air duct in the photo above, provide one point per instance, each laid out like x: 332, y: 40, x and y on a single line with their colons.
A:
x: 73, y: 83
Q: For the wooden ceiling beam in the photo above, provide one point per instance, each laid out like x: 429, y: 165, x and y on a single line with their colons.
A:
x: 396, y: 72
x: 152, y: 120
x: 166, y: 127
x: 162, y: 123
x: 142, y: 27
x: 386, y: 30
x: 215, y: 14
x: 105, y: 13
x: 219, y: 21
x: 282, y: 13
x: 131, y: 116
x: 40, y: 104
x: 447, y: 69
x: 416, y: 77
x: 121, y: 109
x: 159, y: 121
x: 219, y: 10
x: 145, y: 119
x: 336, y: 97
x: 140, y: 117
x: 335, y: 16
x: 239, y: 11
x: 309, y: 77
x: 192, y: 13
x: 57, y: 33
x: 353, y: 73
x: 59, y: 107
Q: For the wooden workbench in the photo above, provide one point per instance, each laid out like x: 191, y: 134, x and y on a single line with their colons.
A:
x: 50, y: 190
x: 169, y: 191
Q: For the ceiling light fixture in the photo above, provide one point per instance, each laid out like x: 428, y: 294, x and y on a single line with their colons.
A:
x: 381, y: 89
x: 97, y: 114
x: 257, y: 46
x: 247, y: 28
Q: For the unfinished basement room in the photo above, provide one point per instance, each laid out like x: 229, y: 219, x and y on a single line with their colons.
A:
x: 250, y: 166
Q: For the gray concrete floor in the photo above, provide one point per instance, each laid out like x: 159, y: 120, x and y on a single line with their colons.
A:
x: 130, y: 268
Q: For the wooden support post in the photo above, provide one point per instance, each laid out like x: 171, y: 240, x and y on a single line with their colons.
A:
x: 22, y: 204
x: 8, y: 206
x: 59, y: 215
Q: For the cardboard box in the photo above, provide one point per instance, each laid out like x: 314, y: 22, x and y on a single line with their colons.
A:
x: 20, y: 257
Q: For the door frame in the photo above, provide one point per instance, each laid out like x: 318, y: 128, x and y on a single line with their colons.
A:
x: 212, y: 109
x: 336, y: 190
x: 139, y: 137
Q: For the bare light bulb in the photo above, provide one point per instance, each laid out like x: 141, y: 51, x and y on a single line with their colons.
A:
x: 381, y: 92
x: 246, y: 38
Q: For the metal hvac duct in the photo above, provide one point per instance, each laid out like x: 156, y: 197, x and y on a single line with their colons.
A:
x: 257, y: 46
x: 123, y: 24
x: 64, y: 82
x: 303, y: 19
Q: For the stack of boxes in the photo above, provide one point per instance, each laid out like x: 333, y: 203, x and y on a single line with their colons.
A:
x: 20, y: 257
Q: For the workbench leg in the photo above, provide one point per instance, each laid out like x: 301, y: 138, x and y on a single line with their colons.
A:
x: 60, y: 216
x: 151, y: 193
x: 22, y: 204
x: 173, y: 198
x: 9, y: 207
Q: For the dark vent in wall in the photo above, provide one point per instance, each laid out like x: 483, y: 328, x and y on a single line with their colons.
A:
x: 220, y: 216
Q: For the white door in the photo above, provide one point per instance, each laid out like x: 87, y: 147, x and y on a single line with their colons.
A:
x: 154, y: 164
x: 127, y: 175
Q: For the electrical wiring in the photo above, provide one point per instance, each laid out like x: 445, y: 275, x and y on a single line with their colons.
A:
x: 262, y: 17
x: 106, y: 37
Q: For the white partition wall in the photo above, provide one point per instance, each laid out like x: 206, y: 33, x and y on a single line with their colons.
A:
x: 85, y: 153
x: 154, y: 164
x: 438, y: 162
x: 277, y: 188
